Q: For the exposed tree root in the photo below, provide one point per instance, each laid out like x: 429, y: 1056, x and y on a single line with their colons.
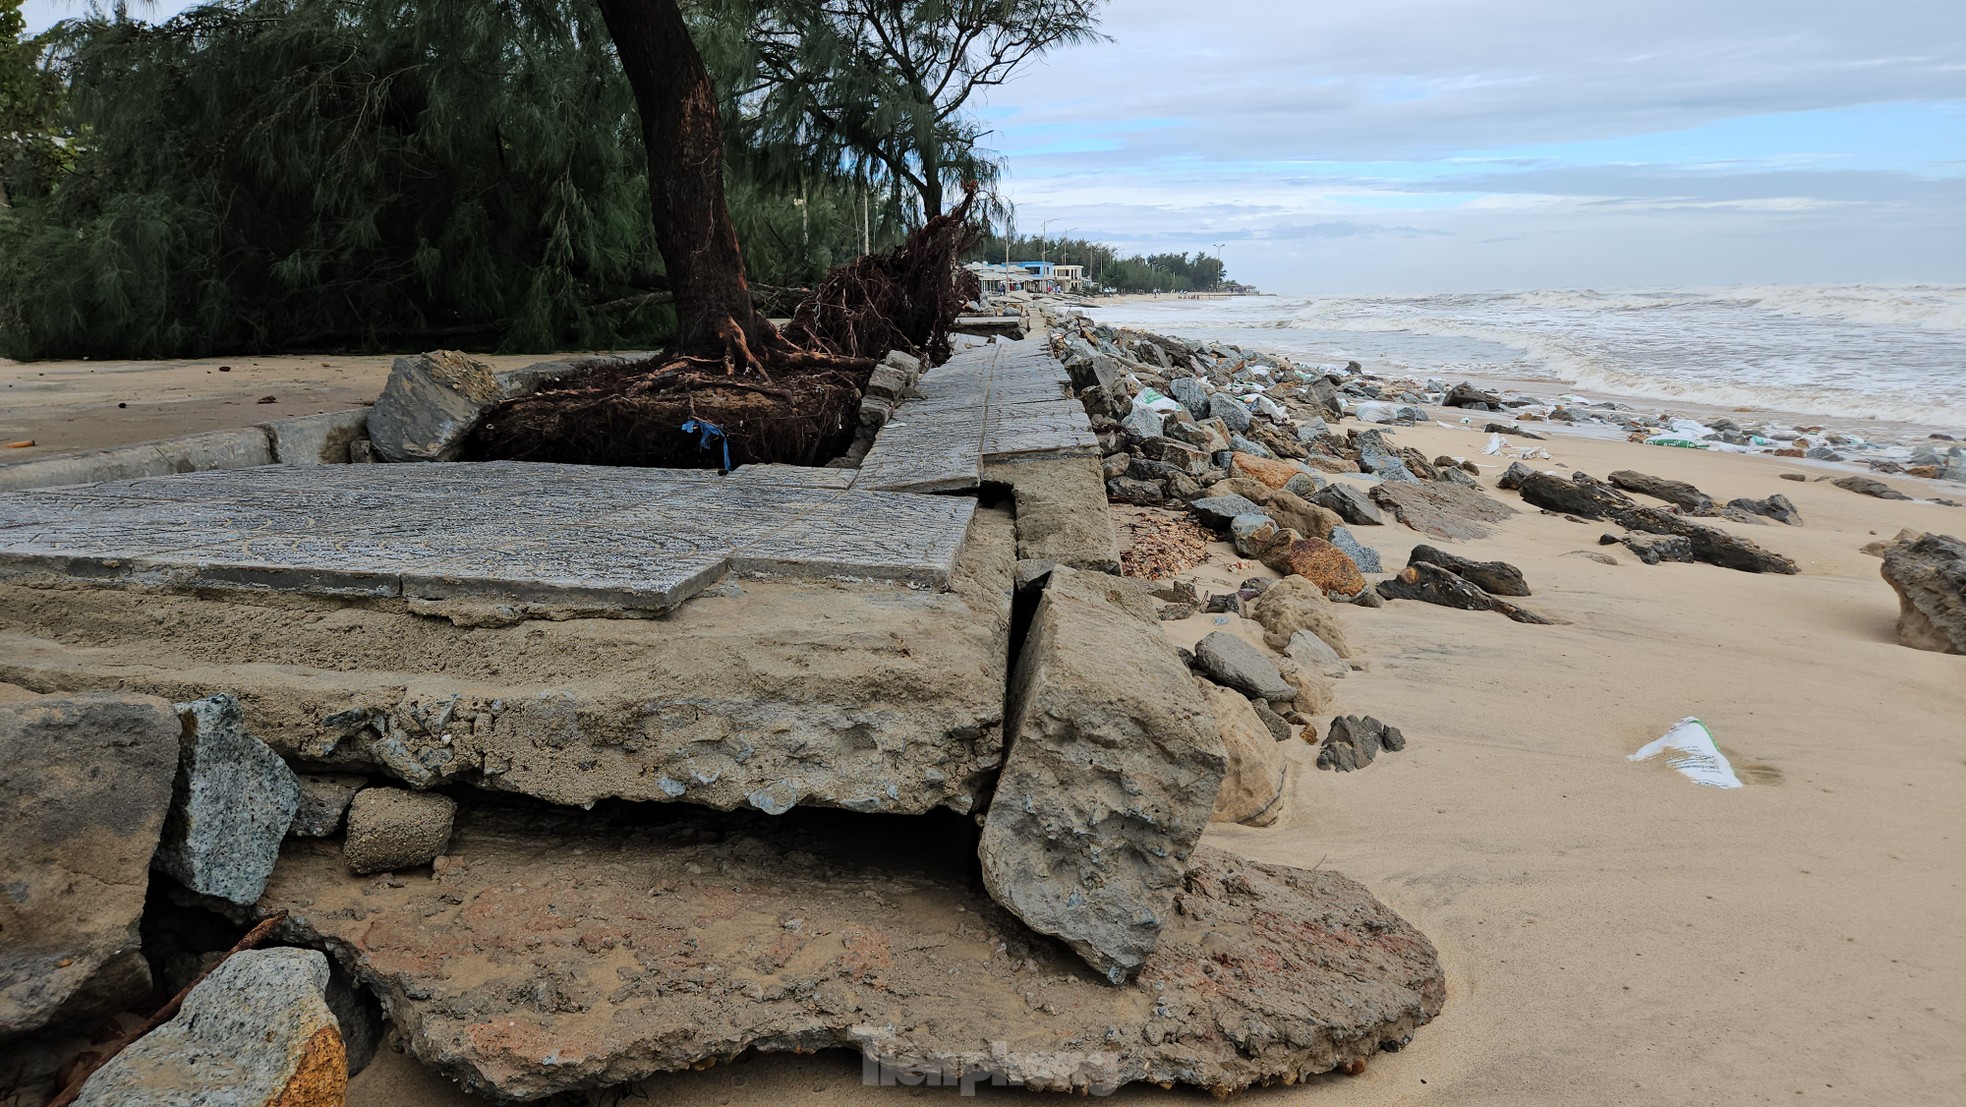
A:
x: 790, y: 397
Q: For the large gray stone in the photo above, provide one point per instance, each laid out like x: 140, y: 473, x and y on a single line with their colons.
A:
x: 1676, y: 492
x: 1351, y: 503
x: 432, y: 402
x: 1232, y: 662
x: 1446, y: 511
x: 1365, y: 557
x: 1306, y: 648
x: 1497, y: 578
x: 257, y: 1032
x: 1230, y: 410
x: 1218, y: 511
x: 1929, y: 574
x: 86, y: 784
x: 1192, y: 394
x: 1112, y: 772
x: 558, y: 952
x: 231, y: 803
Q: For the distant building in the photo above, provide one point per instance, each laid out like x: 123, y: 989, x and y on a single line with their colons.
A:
x: 1001, y: 278
x: 1053, y: 277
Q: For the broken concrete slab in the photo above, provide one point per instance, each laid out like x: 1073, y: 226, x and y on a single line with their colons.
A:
x: 1061, y: 511
x: 85, y: 791
x: 316, y: 439
x: 231, y: 803
x: 548, y: 954
x: 551, y: 537
x: 1113, y: 769
x: 990, y: 403
x: 257, y: 1032
x: 869, y: 695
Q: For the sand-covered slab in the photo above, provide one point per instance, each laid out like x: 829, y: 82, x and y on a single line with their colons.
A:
x: 546, y: 954
x: 769, y: 693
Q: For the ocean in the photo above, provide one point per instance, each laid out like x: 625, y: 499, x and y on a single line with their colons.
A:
x: 1895, y: 353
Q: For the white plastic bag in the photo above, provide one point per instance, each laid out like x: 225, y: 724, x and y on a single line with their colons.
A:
x: 1693, y: 753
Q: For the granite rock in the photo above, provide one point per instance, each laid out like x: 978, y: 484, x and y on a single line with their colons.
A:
x: 1234, y: 663
x: 257, y: 1032
x: 324, y: 799
x: 1351, y: 503
x: 231, y: 803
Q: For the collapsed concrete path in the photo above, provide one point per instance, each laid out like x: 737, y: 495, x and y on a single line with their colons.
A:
x: 548, y: 954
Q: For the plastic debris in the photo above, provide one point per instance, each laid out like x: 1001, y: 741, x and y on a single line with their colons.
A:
x: 1693, y: 755
x: 1496, y: 445
x: 1157, y: 403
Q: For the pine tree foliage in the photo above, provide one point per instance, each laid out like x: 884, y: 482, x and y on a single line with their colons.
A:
x: 262, y: 174
x: 888, y: 87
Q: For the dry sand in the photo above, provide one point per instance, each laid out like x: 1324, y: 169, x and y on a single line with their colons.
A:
x: 1613, y: 934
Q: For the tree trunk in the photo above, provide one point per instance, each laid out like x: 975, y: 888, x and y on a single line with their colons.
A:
x: 678, y: 105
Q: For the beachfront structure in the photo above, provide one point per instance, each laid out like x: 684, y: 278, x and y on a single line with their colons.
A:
x: 1053, y: 277
x: 1001, y: 278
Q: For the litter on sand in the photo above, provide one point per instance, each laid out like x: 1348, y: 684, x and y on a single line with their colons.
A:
x: 1693, y: 753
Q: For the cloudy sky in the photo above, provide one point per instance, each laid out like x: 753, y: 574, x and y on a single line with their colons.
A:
x: 1424, y: 145
x: 1428, y: 145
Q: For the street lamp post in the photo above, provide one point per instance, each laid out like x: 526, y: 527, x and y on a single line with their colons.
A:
x: 1219, y: 267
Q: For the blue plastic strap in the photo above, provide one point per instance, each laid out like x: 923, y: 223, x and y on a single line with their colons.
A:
x: 709, y: 432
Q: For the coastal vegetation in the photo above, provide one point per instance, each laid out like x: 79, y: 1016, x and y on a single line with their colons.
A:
x: 303, y: 174
x: 1105, y: 267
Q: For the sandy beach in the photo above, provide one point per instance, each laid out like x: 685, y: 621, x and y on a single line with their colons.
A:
x: 1612, y: 933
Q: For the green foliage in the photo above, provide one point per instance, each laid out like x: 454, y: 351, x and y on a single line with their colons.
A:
x: 885, y: 88
x: 31, y: 147
x: 1105, y: 268
x: 257, y: 174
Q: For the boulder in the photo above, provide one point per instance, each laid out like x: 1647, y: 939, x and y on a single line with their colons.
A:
x: 391, y: 829
x: 1192, y: 395
x: 1350, y: 503
x: 1353, y: 742
x: 85, y: 791
x: 1429, y: 583
x: 1217, y: 511
x: 1710, y: 544
x: 257, y: 1032
x: 1254, y: 535
x: 1498, y: 578
x: 1272, y: 474
x: 430, y: 405
x: 1676, y: 492
x: 1252, y: 784
x: 1294, y: 605
x: 1777, y: 507
x: 1230, y: 410
x: 1142, y: 423
x: 1365, y: 557
x: 1309, y: 651
x: 324, y: 799
x: 1467, y: 395
x: 1654, y: 548
x: 1294, y: 512
x: 1321, y: 563
x: 1304, y: 485
x: 1234, y: 663
x: 555, y: 952
x: 1869, y: 486
x: 1314, y: 691
x: 1127, y: 490
x: 1580, y: 495
x: 1182, y: 456
x: 1929, y: 574
x: 1376, y: 455
x: 1445, y: 511
x: 1113, y: 770
x: 231, y: 803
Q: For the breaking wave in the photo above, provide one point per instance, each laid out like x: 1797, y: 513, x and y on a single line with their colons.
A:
x: 1895, y: 352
